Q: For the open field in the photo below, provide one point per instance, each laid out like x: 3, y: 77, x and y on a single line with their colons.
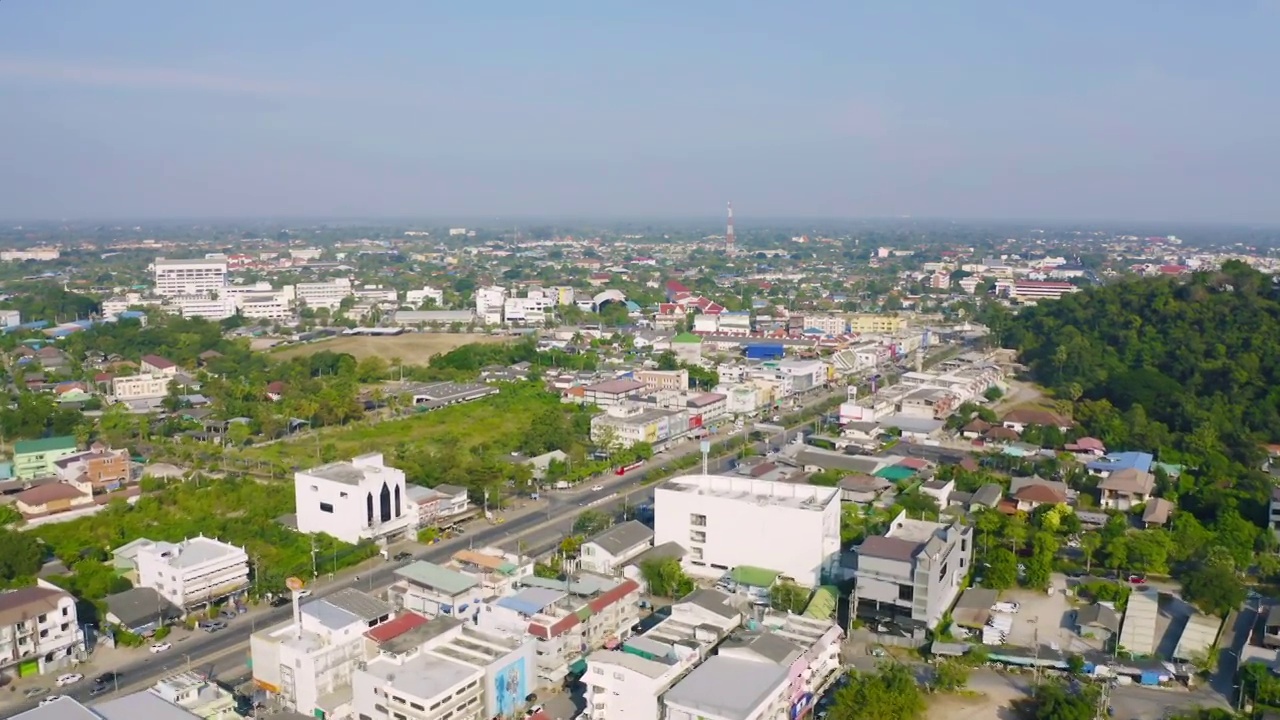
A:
x: 412, y: 348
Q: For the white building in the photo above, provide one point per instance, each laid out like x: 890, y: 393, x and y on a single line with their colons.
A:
x: 622, y: 426
x: 730, y: 688
x: 307, y: 664
x: 37, y: 254
x: 624, y: 685
x: 607, y: 552
x: 140, y: 387
x: 203, y: 306
x: 10, y: 318
x: 719, y: 520
x: 415, y: 298
x: 352, y: 501
x: 489, y: 304
x: 196, y: 571
x: 328, y: 294
x: 418, y: 684
x: 827, y: 324
x: 194, y: 276
x: 431, y: 590
x: 273, y: 305
x: 39, y: 630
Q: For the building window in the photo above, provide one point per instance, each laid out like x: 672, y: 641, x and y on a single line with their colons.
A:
x: 964, y: 544
x: 342, y: 495
x: 326, y: 507
x: 697, y: 520
x: 416, y: 706
x: 697, y: 536
x: 906, y: 593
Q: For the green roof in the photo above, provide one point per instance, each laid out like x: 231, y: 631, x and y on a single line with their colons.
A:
x: 823, y: 603
x: 754, y: 576
x: 686, y: 337
x: 436, y: 577
x: 44, y: 445
x: 896, y: 473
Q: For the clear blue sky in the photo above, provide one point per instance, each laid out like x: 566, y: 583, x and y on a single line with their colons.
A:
x: 1134, y: 109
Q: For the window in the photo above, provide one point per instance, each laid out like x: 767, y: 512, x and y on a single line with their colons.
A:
x: 416, y: 706
x: 906, y: 593
x: 326, y: 507
x: 342, y: 495
x: 597, y: 670
x: 697, y: 520
x: 697, y: 536
x: 619, y: 676
x: 964, y: 544
x: 66, y: 611
x: 380, y: 708
x: 399, y: 716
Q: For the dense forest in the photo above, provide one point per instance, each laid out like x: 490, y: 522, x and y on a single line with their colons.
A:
x: 1187, y: 370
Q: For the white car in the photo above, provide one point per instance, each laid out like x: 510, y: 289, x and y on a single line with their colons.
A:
x: 50, y: 699
x: 69, y: 679
x: 597, y: 488
x: 160, y: 647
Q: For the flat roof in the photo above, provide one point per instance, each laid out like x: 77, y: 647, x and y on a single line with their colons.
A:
x: 754, y: 490
x: 437, y: 577
x: 727, y: 687
x: 192, y: 551
x: 64, y: 709
x: 143, y: 704
x: 424, y: 676
x: 342, y: 472
x: 362, y: 605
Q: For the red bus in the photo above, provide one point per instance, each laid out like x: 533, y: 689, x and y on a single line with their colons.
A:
x: 628, y: 468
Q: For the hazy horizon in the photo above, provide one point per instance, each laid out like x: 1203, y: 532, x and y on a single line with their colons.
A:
x: 987, y: 111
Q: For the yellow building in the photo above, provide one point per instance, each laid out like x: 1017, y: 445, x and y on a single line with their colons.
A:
x: 871, y: 323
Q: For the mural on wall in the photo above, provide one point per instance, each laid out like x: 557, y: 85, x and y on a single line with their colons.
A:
x: 511, y: 687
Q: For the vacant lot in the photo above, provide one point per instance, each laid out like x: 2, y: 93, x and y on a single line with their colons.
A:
x: 412, y: 348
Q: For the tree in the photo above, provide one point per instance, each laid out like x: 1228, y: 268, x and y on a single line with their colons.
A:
x: 591, y: 522
x: 1089, y: 544
x: 1001, y: 572
x: 1056, y: 701
x: 1040, y: 564
x: 950, y: 675
x: 21, y: 557
x: 665, y: 577
x: 788, y: 597
x: 890, y: 693
x: 1214, y: 588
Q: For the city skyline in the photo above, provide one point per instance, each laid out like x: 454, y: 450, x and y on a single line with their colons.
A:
x: 315, y: 110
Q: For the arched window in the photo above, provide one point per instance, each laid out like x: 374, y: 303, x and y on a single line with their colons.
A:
x: 368, y: 506
x: 397, y: 501
x: 384, y: 503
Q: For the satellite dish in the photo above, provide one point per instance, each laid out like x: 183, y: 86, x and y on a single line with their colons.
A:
x: 294, y: 584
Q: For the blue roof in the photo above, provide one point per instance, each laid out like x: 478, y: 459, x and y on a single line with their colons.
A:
x: 1123, y: 461
x: 530, y: 601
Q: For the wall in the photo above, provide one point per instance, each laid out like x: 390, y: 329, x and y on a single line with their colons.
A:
x: 510, y: 686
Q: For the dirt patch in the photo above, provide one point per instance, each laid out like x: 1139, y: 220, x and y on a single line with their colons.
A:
x: 412, y: 348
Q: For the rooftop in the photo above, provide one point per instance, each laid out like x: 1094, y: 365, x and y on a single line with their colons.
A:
x: 623, y: 537
x: 43, y: 445
x: 142, y: 705
x: 192, y: 551
x: 362, y: 605
x: 753, y: 490
x: 727, y: 687
x: 437, y: 577
x: 64, y: 709
x: 423, y: 676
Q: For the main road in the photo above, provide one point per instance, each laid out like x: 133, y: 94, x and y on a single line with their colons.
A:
x: 215, y: 653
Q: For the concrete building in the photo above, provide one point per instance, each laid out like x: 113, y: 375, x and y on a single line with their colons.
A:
x: 35, y: 458
x: 728, y: 688
x: 607, y: 552
x: 625, y: 425
x: 873, y: 324
x: 911, y: 575
x: 489, y: 304
x: 352, y: 501
x: 826, y: 324
x: 687, y: 348
x: 140, y: 387
x: 195, y: 572
x: 307, y: 664
x: 664, y: 379
x: 725, y: 522
x: 197, y: 694
x: 328, y: 294
x: 207, y: 307
x: 39, y: 630
x: 628, y: 683
x: 418, y: 684
x: 99, y: 467
x: 415, y: 298
x: 611, y: 392
x: 195, y: 276
x: 431, y: 590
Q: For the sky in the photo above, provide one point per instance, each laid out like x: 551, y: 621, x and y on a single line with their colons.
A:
x: 1136, y: 110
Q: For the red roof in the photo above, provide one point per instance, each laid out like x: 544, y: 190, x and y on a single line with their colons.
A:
x: 156, y: 361
x: 676, y: 286
x: 567, y: 623
x: 395, y: 628
x: 914, y: 463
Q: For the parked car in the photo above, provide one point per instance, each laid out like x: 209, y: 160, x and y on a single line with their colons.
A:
x: 597, y: 488
x: 106, y: 677
x: 98, y: 690
x: 229, y: 613
x: 279, y: 601
x: 402, y: 555
x: 69, y: 679
x: 1137, y: 580
x: 213, y: 626
x: 160, y: 647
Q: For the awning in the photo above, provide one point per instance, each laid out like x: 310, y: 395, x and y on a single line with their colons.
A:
x: 579, y: 667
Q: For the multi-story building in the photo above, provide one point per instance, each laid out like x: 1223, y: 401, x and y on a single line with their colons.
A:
x: 10, y: 318
x: 35, y: 458
x: 147, y: 386
x: 415, y: 298
x: 418, y: 684
x: 195, y: 572
x: 803, y: 375
x: 353, y: 501
x: 808, y: 647
x: 308, y: 663
x: 730, y: 688
x: 431, y: 590
x: 202, y: 306
x: 718, y: 519
x: 195, y: 276
x: 1031, y: 290
x: 611, y: 392
x: 328, y: 294
x: 489, y: 304
x: 273, y: 305
x: 565, y: 620
x: 622, y: 426
x: 39, y: 630
x: 607, y: 552
x: 197, y: 694
x: 628, y: 683
x: 874, y: 324
x: 664, y: 379
x: 102, y: 468
x: 743, y: 399
x: 911, y: 575
x: 36, y: 254
x: 157, y: 365
x: 826, y: 324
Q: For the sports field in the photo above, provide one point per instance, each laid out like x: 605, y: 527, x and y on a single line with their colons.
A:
x: 412, y: 348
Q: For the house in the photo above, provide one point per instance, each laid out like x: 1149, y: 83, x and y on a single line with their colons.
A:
x: 157, y: 365
x: 939, y: 490
x: 141, y: 610
x: 275, y: 391
x: 35, y: 458
x: 862, y: 489
x: 975, y: 428
x: 453, y: 500
x: 102, y: 468
x: 1157, y: 512
x: 51, y: 498
x: 1022, y: 418
x: 911, y: 575
x: 39, y: 631
x: 611, y: 392
x: 1113, y: 462
x: 1124, y: 489
x: 1098, y: 621
x: 607, y: 552
x: 1031, y: 492
x: 1086, y: 446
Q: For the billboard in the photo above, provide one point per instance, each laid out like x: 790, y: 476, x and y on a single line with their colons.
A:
x: 511, y: 687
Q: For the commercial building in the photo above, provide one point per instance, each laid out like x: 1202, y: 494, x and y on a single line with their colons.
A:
x: 415, y: 298
x: 607, y: 552
x: 1031, y: 290
x: 195, y: 276
x: 826, y: 324
x: 730, y: 688
x: 307, y: 664
x: 873, y: 324
x: 197, y: 694
x: 611, y: 392
x: 726, y: 521
x: 328, y: 294
x: 35, y: 458
x: 418, y: 684
x: 489, y: 304
x: 207, y: 307
x: 431, y: 590
x: 353, y: 501
x: 140, y: 387
x: 622, y: 426
x: 39, y: 630
x: 628, y: 683
x: 911, y: 575
x: 664, y: 379
x: 197, y: 571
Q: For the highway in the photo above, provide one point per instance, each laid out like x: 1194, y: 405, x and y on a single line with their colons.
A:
x: 222, y: 652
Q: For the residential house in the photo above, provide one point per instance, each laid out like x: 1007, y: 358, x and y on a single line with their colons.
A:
x: 608, y: 551
x: 912, y: 574
x: 1031, y: 492
x: 432, y: 590
x: 39, y: 631
x: 158, y: 365
x: 1157, y: 512
x: 51, y: 498
x: 1114, y: 462
x: 35, y: 458
x: 1125, y: 489
x: 1086, y: 447
x: 861, y: 489
x: 102, y: 468
x: 141, y: 610
x: 1097, y: 621
x: 1022, y: 418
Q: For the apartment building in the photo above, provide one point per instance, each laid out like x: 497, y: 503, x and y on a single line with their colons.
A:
x: 911, y: 575
x: 874, y: 324
x: 197, y: 571
x: 207, y: 307
x: 565, y: 620
x: 328, y: 294
x: 826, y: 324
x: 195, y: 276
x: 100, y: 467
x: 663, y: 379
x: 730, y: 688
x: 611, y: 392
x: 307, y: 664
x: 718, y: 519
x: 489, y: 304
x: 36, y: 458
x: 352, y: 501
x: 432, y: 590
x: 628, y: 683
x: 415, y: 298
x: 272, y: 305
x: 1031, y: 290
x: 531, y: 310
x: 808, y: 647
x: 608, y: 551
x: 622, y: 426
x: 148, y: 386
x: 418, y: 684
x: 39, y: 630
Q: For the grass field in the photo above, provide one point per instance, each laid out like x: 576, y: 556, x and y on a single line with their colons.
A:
x: 412, y: 348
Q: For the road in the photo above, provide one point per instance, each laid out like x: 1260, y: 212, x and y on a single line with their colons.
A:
x: 222, y: 652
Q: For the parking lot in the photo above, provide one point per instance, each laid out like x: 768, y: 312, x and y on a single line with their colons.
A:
x: 1042, y: 620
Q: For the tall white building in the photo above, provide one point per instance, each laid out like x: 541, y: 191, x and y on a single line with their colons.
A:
x: 204, y: 306
x: 194, y: 572
x: 719, y: 519
x: 194, y: 276
x: 328, y: 294
x: 627, y: 684
x: 419, y: 684
x: 415, y: 298
x: 489, y: 304
x: 352, y: 501
x: 39, y: 630
x: 140, y: 387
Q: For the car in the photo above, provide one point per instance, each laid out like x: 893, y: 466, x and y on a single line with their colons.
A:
x: 403, y: 555
x: 213, y: 626
x: 597, y: 488
x: 160, y: 647
x: 279, y: 601
x: 98, y: 690
x: 51, y: 699
x: 106, y: 677
x: 69, y: 679
x: 1137, y: 580
x: 229, y: 614
x: 35, y: 692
